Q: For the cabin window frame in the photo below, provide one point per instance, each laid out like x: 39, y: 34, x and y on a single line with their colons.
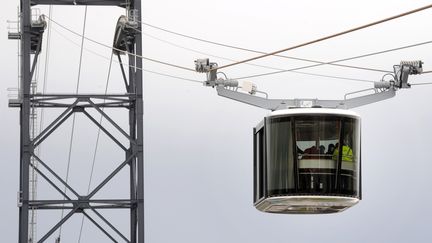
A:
x: 259, y: 162
x: 261, y: 187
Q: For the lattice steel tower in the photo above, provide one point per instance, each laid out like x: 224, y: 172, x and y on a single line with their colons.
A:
x: 127, y: 40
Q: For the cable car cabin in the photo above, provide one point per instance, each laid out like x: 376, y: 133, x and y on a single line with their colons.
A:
x: 307, y: 161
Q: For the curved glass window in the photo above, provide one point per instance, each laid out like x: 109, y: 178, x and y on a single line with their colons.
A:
x: 312, y: 155
x: 280, y: 157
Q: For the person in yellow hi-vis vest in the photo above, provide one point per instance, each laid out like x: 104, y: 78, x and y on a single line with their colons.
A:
x: 347, y: 154
x: 346, y: 179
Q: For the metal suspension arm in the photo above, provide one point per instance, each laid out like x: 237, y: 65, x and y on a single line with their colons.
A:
x: 381, y: 91
x: 277, y: 104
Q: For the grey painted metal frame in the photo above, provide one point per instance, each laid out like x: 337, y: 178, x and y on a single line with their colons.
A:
x: 120, y: 3
x: 25, y: 148
x: 381, y: 91
x: 278, y: 104
x: 72, y: 103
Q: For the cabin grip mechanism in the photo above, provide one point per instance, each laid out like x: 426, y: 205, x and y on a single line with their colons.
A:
x: 382, y: 90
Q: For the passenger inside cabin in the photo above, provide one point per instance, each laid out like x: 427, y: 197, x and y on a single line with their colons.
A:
x: 311, y: 152
x: 347, y: 153
x: 335, y: 152
x: 330, y: 149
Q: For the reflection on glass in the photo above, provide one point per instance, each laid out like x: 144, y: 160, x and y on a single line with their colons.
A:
x: 307, y: 163
x: 349, y: 155
x: 280, y: 162
x: 317, y: 138
x: 312, y: 155
x: 259, y: 165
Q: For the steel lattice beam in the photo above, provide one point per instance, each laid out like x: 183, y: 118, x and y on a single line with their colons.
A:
x: 120, y: 3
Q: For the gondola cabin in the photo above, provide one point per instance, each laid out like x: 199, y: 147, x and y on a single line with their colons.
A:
x: 307, y: 161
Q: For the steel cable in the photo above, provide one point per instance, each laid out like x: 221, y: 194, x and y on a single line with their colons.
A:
x: 329, y: 36
x: 251, y: 64
x: 429, y: 83
x: 281, y: 70
x: 96, y: 145
x: 73, y: 119
x: 122, y: 51
x: 44, y: 85
x: 340, y: 60
x: 128, y: 65
x: 260, y: 52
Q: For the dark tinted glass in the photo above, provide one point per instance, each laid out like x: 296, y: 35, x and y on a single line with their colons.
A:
x: 350, y: 158
x: 316, y: 155
x: 280, y: 156
x: 259, y: 165
x: 316, y: 138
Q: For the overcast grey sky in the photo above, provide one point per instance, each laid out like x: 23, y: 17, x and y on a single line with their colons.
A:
x: 198, y: 146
